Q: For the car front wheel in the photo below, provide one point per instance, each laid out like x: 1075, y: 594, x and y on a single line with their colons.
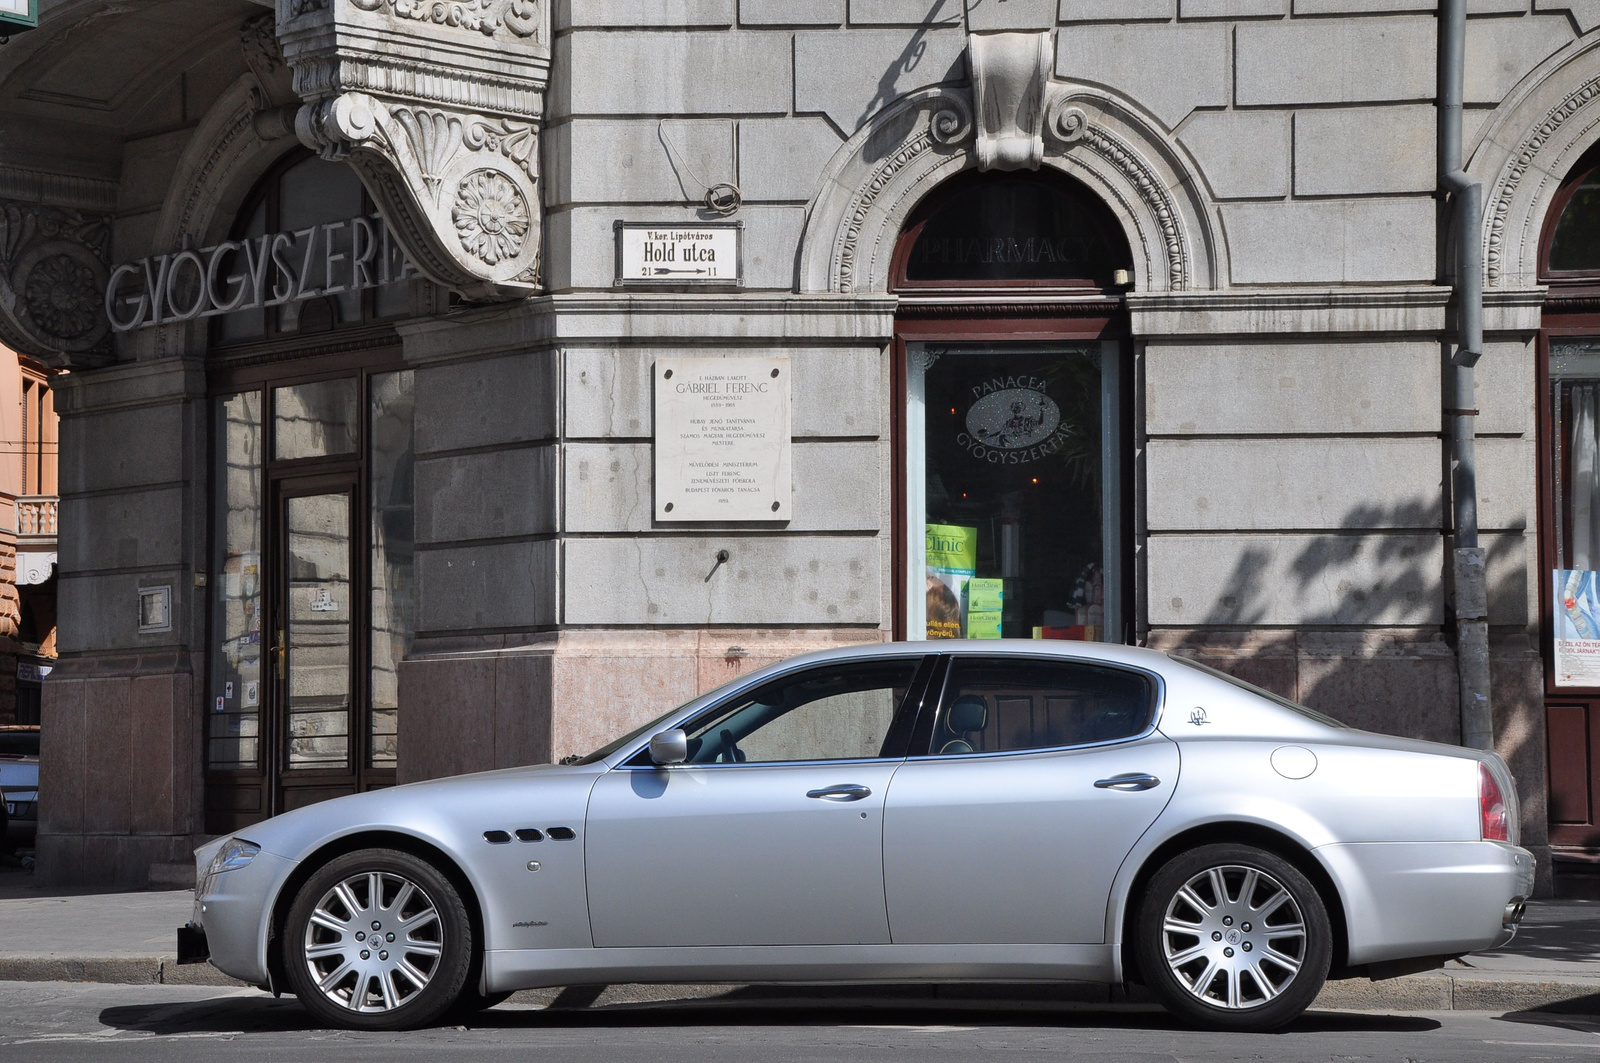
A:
x: 1233, y: 937
x: 378, y: 939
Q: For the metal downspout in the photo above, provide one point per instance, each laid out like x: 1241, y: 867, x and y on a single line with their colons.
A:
x: 1466, y: 212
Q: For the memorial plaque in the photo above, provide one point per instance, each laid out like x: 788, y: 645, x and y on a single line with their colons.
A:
x: 651, y: 254
x: 722, y: 439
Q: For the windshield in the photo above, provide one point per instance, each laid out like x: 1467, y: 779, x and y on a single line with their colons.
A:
x: 1276, y: 699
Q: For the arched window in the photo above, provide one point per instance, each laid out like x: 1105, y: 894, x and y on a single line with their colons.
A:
x: 1569, y: 525
x: 330, y: 260
x: 1014, y: 427
x: 1013, y: 230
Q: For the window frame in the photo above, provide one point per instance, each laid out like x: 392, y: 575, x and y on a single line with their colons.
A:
x: 922, y: 736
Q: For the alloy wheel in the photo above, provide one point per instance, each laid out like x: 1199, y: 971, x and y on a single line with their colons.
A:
x: 1234, y: 937
x: 373, y: 942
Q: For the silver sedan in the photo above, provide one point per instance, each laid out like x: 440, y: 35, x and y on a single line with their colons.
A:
x: 1007, y: 811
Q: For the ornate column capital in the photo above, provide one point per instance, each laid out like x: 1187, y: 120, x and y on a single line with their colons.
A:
x: 438, y: 105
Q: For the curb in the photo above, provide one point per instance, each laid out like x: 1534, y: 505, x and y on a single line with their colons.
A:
x: 1423, y: 992
x: 111, y: 970
x: 1448, y: 992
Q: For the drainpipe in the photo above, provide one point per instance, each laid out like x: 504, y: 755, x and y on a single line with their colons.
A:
x: 1466, y: 216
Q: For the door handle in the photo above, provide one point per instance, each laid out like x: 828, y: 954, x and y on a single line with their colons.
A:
x: 846, y: 792
x: 1129, y: 781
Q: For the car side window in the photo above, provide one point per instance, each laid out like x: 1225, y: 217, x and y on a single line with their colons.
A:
x: 993, y: 705
x: 841, y: 712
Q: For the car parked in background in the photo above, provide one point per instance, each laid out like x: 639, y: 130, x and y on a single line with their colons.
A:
x: 19, y: 786
x: 968, y: 810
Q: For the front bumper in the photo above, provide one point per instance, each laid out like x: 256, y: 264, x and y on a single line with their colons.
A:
x: 192, y: 947
x: 1408, y: 899
x: 233, y: 911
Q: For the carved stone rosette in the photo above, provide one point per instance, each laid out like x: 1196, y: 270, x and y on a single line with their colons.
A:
x: 437, y: 105
x: 53, y: 271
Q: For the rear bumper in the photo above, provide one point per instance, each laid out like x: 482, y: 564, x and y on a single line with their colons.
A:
x: 1411, y: 899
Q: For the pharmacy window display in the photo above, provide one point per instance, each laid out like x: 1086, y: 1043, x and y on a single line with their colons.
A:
x: 1575, y: 581
x: 1013, y: 491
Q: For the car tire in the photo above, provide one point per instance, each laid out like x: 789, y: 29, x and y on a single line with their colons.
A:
x: 1231, y: 937
x: 378, y: 939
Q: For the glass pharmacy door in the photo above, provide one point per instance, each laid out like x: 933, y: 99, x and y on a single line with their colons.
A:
x: 312, y: 647
x: 1013, y: 491
x: 311, y: 592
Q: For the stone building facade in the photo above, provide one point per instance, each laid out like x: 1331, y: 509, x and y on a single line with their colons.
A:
x: 349, y: 272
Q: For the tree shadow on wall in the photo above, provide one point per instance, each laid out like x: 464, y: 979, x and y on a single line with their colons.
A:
x: 910, y: 58
x: 1369, y: 643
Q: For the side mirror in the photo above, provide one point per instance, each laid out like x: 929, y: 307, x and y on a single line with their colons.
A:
x: 670, y: 747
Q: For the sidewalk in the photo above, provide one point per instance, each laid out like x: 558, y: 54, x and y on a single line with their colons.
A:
x: 128, y: 938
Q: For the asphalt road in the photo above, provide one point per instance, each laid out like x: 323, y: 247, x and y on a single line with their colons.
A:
x: 176, y: 1024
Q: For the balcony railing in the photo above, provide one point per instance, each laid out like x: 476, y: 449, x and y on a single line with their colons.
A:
x: 36, y: 516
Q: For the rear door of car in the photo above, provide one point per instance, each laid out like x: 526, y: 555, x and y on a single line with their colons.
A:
x: 1011, y: 831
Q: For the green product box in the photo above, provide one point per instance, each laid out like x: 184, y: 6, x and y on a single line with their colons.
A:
x: 983, y: 624
x: 985, y: 595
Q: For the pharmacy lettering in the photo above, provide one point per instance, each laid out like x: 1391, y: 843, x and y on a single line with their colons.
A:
x: 253, y: 272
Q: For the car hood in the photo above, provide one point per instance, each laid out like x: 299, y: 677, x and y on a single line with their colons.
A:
x: 435, y: 809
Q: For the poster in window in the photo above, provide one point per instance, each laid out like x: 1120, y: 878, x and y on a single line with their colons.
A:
x: 952, y: 561
x: 1577, y: 628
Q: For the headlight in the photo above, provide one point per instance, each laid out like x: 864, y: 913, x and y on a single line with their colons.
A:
x: 234, y: 854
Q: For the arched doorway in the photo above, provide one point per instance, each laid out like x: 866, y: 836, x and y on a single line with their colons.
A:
x: 311, y: 500
x: 1013, y: 418
x: 1569, y: 527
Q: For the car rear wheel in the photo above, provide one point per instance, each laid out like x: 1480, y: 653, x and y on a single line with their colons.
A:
x: 378, y: 939
x: 1233, y: 937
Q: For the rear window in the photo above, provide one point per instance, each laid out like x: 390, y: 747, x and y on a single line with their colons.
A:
x: 19, y: 743
x: 1261, y: 692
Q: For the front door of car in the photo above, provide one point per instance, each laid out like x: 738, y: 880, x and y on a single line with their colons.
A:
x: 771, y: 832
x: 1008, y: 822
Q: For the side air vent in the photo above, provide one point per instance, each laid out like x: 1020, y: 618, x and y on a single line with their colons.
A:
x: 496, y: 837
x: 561, y: 834
x: 528, y: 834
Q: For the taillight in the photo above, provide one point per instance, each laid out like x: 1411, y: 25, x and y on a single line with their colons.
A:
x: 1491, y: 807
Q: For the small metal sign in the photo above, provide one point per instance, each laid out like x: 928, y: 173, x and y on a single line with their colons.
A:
x: 17, y: 15
x: 155, y: 609
x: 655, y: 254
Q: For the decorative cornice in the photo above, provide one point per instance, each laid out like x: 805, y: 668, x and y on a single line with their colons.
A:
x: 438, y: 106
x: 58, y: 189
x: 244, y: 355
x: 1418, y: 309
x: 912, y: 306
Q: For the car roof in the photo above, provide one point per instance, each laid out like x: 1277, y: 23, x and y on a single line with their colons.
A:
x: 1136, y: 656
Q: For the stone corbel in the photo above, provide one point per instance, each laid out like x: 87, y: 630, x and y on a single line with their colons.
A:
x: 438, y: 107
x: 1018, y: 108
x: 53, y: 272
